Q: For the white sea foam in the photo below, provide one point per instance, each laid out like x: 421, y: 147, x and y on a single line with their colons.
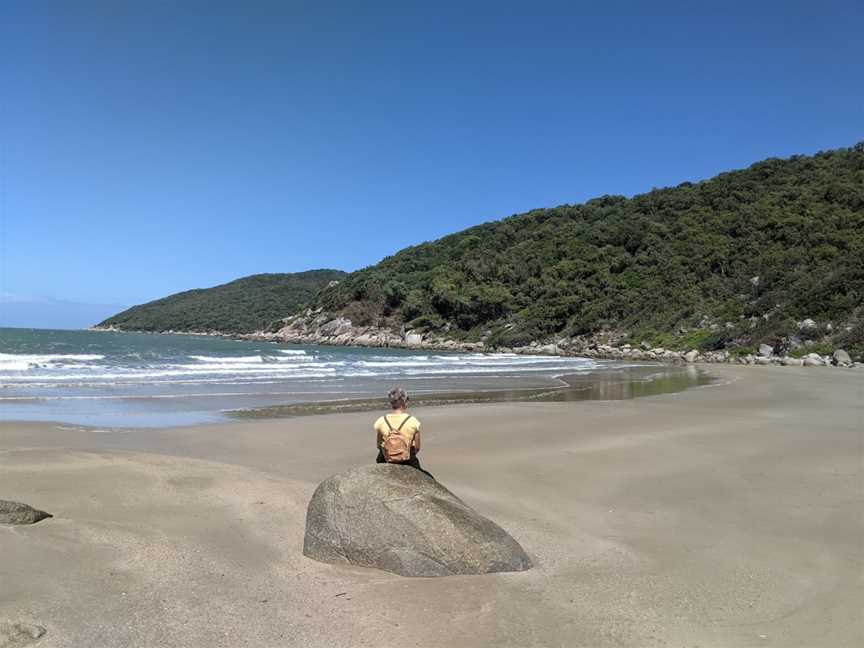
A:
x: 58, y: 368
x: 51, y: 372
x: 232, y: 374
x: 469, y: 361
x: 25, y: 361
x: 245, y: 360
x: 181, y: 370
x: 292, y: 358
x: 227, y: 359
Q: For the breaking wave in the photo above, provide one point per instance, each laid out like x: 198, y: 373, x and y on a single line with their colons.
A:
x: 156, y: 368
x: 25, y: 361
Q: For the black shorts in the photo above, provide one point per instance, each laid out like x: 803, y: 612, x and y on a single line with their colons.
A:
x: 414, y: 462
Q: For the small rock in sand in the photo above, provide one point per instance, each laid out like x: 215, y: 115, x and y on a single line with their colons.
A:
x: 17, y: 513
x: 18, y: 635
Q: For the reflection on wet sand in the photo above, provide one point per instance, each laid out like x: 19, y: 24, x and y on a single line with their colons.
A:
x: 629, y: 382
x: 611, y: 384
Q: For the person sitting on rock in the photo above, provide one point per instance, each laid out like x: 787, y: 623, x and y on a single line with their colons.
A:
x: 398, y: 433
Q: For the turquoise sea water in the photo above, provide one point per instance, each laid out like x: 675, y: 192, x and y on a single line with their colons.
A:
x: 140, y: 380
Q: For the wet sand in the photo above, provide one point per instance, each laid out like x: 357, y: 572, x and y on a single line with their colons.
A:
x: 612, y: 383
x: 726, y: 515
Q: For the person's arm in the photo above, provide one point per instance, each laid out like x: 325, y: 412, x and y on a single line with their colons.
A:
x: 378, y: 437
x: 416, y: 441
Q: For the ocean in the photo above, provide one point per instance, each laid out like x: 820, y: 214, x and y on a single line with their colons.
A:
x: 112, y: 379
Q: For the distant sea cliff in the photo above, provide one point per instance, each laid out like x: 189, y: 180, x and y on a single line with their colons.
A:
x: 242, y: 306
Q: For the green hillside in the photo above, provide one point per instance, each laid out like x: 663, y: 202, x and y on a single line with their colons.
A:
x: 724, y: 263
x: 241, y: 306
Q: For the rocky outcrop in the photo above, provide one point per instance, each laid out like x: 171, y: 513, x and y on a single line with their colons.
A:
x: 399, y: 519
x: 319, y: 327
x: 17, y: 513
x: 117, y: 329
x: 18, y: 635
x: 612, y: 351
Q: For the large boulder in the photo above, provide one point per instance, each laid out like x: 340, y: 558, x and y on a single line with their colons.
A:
x: 17, y: 513
x: 399, y: 519
x: 841, y: 358
x: 413, y: 339
x: 806, y: 325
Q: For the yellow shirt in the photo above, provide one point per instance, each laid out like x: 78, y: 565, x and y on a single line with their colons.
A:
x: 409, y: 429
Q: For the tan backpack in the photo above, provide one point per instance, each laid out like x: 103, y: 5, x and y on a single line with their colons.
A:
x: 395, y: 448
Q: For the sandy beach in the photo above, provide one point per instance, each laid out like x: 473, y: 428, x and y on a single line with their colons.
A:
x: 724, y: 515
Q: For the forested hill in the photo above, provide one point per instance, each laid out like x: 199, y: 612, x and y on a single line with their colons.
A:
x: 245, y: 305
x: 727, y: 262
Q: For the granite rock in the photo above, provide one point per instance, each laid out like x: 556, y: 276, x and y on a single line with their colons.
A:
x: 17, y: 513
x: 841, y: 358
x: 401, y: 520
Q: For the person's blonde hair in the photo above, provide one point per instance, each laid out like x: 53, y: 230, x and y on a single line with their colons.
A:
x: 398, y: 398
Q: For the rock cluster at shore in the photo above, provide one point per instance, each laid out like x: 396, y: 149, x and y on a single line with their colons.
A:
x: 401, y: 520
x: 320, y: 328
x: 765, y: 356
x: 117, y: 329
x: 316, y: 327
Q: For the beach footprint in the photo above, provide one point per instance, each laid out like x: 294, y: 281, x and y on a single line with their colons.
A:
x: 18, y: 635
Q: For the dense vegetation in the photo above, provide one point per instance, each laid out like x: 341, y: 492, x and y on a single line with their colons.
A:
x: 241, y: 306
x: 723, y: 263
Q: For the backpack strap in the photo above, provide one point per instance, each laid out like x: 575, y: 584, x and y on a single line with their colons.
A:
x: 398, y: 429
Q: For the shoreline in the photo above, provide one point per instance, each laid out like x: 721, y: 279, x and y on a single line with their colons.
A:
x: 371, y: 337
x: 618, y: 383
x: 191, y: 403
x: 726, y: 516
x: 600, y: 384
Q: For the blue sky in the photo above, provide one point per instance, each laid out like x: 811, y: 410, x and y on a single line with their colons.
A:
x: 147, y: 148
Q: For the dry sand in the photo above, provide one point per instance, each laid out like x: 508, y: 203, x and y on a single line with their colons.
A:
x: 729, y: 515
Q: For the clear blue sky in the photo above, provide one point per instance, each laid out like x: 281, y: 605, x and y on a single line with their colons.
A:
x: 151, y: 147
